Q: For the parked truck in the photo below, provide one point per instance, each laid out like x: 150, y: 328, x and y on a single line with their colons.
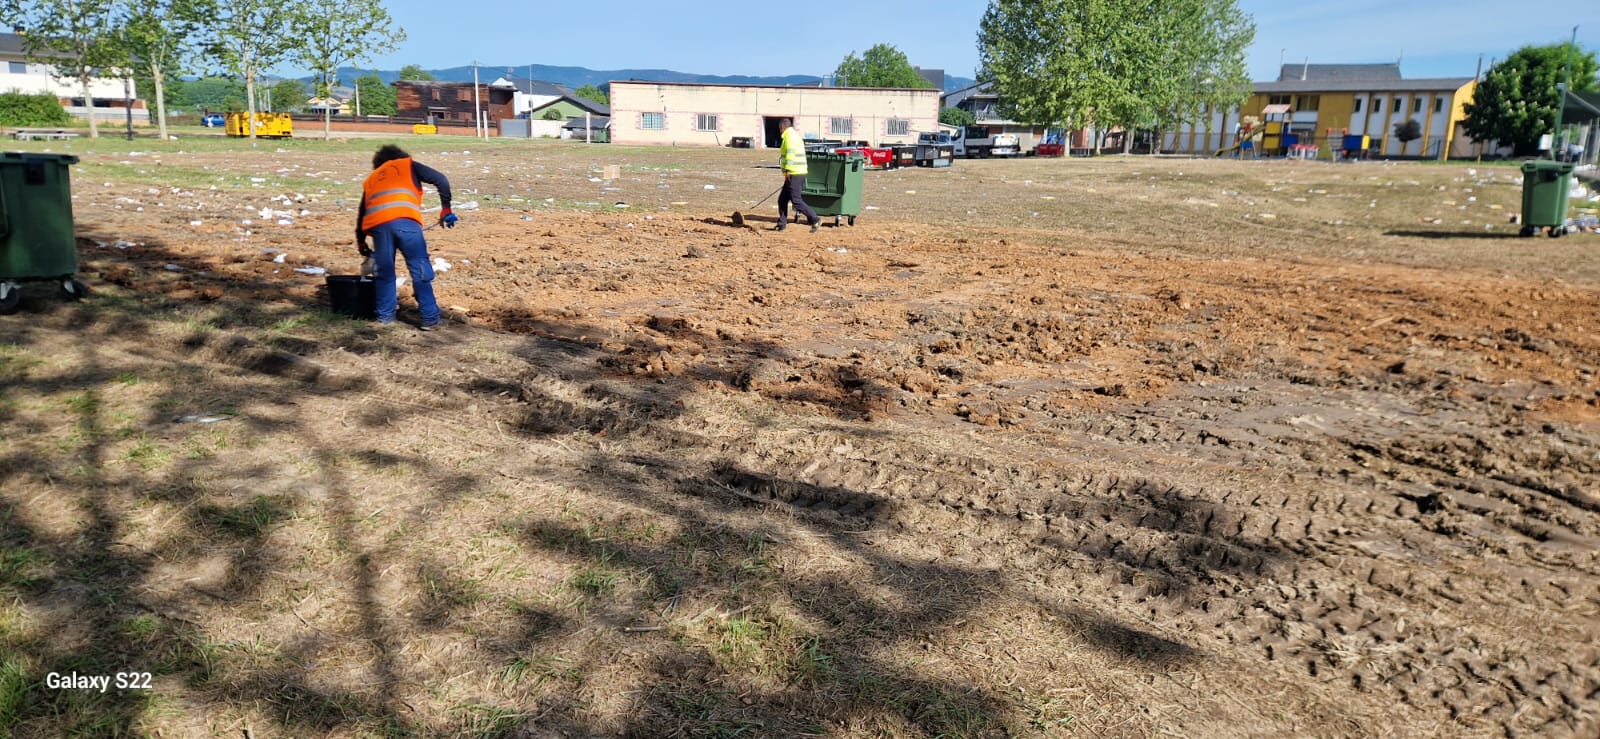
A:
x: 985, y: 141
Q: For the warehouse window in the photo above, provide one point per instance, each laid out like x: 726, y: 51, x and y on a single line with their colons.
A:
x: 655, y: 121
x: 841, y: 126
x: 898, y: 127
x: 1377, y: 105
x: 1307, y: 103
x: 435, y: 93
x: 1438, y: 104
x: 1399, y: 105
x: 1358, y: 105
x: 19, y: 67
x: 1416, y: 104
x: 1278, y: 100
x: 705, y: 122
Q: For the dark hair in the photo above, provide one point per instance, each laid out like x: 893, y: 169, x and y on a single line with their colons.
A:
x: 785, y: 122
x: 388, y: 153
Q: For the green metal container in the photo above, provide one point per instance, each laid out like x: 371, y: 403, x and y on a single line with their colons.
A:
x: 36, y: 235
x: 833, y: 184
x: 1544, y: 195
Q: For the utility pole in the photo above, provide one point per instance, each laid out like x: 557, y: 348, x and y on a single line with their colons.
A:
x: 1561, y: 106
x: 477, y: 109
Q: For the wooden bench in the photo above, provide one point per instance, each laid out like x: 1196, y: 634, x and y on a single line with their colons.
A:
x: 47, y: 134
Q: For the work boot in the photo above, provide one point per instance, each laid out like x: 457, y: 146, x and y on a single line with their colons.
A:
x: 814, y: 228
x: 780, y: 227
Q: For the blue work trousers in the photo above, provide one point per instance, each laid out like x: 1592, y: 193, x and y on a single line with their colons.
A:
x: 403, y: 236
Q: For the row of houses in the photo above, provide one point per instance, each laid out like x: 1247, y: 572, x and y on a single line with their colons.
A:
x: 1314, y: 103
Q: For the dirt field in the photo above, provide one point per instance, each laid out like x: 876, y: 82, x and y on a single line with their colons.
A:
x: 1112, y: 447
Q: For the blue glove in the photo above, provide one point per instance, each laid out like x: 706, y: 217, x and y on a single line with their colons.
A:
x: 448, y: 219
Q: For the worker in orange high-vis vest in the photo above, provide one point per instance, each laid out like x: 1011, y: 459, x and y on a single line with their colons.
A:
x: 391, y: 215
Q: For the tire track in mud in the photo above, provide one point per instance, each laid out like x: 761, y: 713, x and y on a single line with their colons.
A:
x: 1307, y: 581
x: 1350, y: 559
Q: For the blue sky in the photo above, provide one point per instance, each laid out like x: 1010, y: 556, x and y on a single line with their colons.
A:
x: 1437, y: 38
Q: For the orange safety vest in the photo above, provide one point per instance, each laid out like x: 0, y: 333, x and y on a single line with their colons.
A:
x: 391, y: 193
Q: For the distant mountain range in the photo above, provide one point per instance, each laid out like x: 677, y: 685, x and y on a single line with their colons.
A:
x: 575, y: 77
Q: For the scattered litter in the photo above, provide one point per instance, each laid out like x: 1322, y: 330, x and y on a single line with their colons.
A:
x: 285, y: 221
x: 125, y: 244
x: 619, y: 204
x: 173, y: 268
x: 711, y: 187
x: 871, y: 207
x: 440, y: 265
x: 1048, y: 197
x: 911, y: 192
x: 279, y: 259
x: 311, y: 270
x: 469, y: 205
x: 194, y: 223
x: 680, y: 202
x: 527, y: 218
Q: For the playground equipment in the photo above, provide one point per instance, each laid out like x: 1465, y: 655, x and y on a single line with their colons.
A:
x: 1247, y: 142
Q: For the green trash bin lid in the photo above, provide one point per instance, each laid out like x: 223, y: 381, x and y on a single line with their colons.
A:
x: 1546, y: 165
x: 17, y: 157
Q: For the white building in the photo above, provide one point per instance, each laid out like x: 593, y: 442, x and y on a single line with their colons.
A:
x: 700, y: 114
x: 19, y: 74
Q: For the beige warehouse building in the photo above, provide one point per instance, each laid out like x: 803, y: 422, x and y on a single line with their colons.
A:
x: 693, y: 114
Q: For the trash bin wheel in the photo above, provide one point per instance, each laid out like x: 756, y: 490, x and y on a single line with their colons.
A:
x: 1529, y: 231
x: 852, y: 220
x: 1557, y: 231
x: 11, y: 298
x: 73, y: 289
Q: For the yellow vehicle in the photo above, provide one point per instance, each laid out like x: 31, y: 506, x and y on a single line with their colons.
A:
x: 268, y: 125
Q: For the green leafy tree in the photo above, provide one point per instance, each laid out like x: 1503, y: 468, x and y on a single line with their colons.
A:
x: 1407, y: 131
x: 377, y: 98
x: 957, y: 117
x: 1517, y: 100
x: 590, y: 92
x: 161, y: 37
x: 288, y: 95
x: 1078, y: 62
x: 80, y: 38
x: 552, y: 115
x: 214, y: 93
x: 43, y: 109
x: 880, y: 66
x: 416, y: 72
x: 252, y: 36
x: 335, y: 34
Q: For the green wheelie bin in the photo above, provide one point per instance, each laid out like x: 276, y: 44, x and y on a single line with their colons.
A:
x: 36, y: 234
x: 1544, y: 196
x: 833, y: 185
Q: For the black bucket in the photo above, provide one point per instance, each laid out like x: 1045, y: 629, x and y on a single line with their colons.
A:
x: 353, y: 296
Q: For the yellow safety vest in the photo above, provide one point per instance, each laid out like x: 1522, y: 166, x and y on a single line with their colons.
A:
x: 792, y: 152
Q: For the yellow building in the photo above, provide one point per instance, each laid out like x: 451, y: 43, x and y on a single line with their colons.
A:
x: 695, y: 114
x: 1325, y: 102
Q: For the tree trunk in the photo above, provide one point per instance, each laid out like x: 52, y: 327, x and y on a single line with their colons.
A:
x: 250, y: 100
x: 88, y: 104
x: 1127, y: 141
x: 161, y: 99
x: 327, y: 110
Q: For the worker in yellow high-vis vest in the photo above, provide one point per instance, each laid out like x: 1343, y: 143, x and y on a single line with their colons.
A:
x: 792, y: 155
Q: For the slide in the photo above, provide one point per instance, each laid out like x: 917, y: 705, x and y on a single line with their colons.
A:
x: 1254, y: 139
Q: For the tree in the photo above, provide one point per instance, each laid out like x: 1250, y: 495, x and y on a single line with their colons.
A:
x: 252, y: 36
x: 552, y: 115
x: 43, y: 109
x: 1516, y: 102
x: 881, y: 66
x: 416, y: 72
x: 957, y: 117
x: 288, y: 95
x: 376, y: 98
x: 590, y: 92
x: 334, y: 34
x: 78, y: 37
x: 1407, y: 131
x: 161, y: 34
x: 214, y: 93
x: 1076, y: 62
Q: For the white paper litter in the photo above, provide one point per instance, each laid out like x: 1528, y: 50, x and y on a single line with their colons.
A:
x: 279, y: 259
x: 311, y: 270
x: 174, y: 268
x: 440, y: 265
